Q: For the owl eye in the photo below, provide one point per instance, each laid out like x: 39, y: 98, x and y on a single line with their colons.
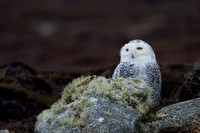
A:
x: 139, y: 48
x: 127, y: 49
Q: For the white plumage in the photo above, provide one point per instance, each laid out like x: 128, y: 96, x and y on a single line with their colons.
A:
x: 138, y: 60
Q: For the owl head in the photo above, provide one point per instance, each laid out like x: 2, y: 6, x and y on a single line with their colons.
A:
x: 136, y: 50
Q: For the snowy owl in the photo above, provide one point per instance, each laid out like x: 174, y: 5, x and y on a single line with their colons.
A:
x: 138, y: 60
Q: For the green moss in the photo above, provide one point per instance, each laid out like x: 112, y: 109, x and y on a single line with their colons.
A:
x: 108, y: 113
x: 78, y: 117
x: 63, y: 121
x: 45, y: 114
x: 160, y: 116
x: 145, y: 126
x: 117, y: 90
x: 127, y: 117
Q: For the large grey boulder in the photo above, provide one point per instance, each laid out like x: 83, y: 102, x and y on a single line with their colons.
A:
x: 176, y: 115
x: 97, y: 104
x: 101, y: 116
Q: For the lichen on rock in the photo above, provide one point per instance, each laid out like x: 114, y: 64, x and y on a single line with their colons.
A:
x: 71, y: 110
x: 175, y: 115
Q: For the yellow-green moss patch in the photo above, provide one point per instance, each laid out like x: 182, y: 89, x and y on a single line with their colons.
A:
x: 108, y: 113
x: 45, y: 114
x: 128, y: 117
x: 126, y: 92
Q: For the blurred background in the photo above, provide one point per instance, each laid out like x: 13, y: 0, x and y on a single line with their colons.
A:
x: 58, y: 34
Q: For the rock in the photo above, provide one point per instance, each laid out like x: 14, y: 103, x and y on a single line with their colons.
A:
x: 4, y: 131
x: 21, y: 75
x: 176, y: 115
x: 17, y: 69
x: 35, y: 84
x: 16, y: 103
x: 97, y: 104
x: 102, y: 116
x: 191, y: 87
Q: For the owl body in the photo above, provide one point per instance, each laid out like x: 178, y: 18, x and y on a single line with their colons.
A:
x: 138, y: 60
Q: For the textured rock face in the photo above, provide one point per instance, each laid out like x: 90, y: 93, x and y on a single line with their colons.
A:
x: 96, y: 104
x: 102, y: 116
x: 4, y: 131
x: 17, y: 69
x: 176, y: 115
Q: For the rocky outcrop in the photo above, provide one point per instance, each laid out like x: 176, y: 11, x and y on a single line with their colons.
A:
x: 17, y: 69
x: 97, y: 104
x: 102, y: 116
x: 22, y: 92
x: 176, y: 115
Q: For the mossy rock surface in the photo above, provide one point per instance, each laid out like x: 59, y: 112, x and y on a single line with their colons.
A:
x: 179, y: 114
x: 97, y: 104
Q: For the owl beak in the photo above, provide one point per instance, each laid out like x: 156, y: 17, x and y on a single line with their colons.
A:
x: 132, y: 56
